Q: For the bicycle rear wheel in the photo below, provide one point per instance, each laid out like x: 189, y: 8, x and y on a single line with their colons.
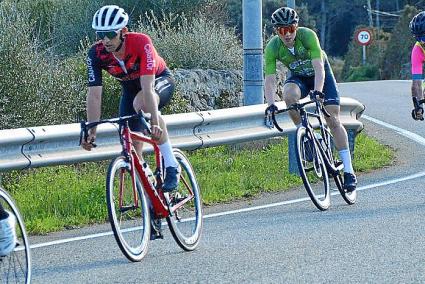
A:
x: 186, y: 222
x: 15, y: 267
x: 130, y: 222
x: 312, y: 169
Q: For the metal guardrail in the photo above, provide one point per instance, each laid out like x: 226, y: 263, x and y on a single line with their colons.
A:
x: 59, y: 144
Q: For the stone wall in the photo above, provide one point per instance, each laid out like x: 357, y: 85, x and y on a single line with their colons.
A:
x: 209, y: 89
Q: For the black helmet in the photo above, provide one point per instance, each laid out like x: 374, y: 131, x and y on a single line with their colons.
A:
x: 417, y: 24
x: 284, y: 16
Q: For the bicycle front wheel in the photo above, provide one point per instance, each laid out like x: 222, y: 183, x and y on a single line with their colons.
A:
x: 186, y: 222
x: 312, y: 169
x: 15, y: 267
x: 130, y: 221
x: 349, y: 197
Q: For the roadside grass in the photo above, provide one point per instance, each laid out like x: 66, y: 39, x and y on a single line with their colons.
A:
x: 63, y: 197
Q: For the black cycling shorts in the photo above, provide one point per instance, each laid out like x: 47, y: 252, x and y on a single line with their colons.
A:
x: 306, y: 84
x: 164, y: 87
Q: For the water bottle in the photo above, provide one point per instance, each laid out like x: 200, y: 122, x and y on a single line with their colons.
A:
x: 149, y: 174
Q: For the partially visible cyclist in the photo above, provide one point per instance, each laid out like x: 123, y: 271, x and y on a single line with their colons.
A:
x: 147, y: 83
x: 298, y: 48
x: 8, y: 238
x: 417, y: 27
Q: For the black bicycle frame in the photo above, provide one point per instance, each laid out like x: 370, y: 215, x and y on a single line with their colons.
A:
x: 319, y: 109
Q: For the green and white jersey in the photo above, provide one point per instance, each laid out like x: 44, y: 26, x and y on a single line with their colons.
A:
x: 306, y: 48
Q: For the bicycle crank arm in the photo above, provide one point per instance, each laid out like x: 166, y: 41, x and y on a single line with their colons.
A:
x: 128, y: 208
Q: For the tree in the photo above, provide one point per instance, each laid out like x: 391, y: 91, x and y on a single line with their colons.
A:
x: 397, y: 54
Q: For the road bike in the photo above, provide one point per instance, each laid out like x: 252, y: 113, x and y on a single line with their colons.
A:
x: 135, y: 198
x: 15, y: 267
x: 315, y: 156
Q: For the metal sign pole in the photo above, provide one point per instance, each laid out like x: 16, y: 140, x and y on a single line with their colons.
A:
x: 364, y: 54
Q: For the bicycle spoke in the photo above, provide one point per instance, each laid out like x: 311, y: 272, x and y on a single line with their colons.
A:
x: 312, y: 169
x: 186, y: 221
x: 128, y: 214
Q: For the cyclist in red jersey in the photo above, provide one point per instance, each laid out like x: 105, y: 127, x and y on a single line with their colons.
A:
x: 417, y: 27
x: 147, y: 83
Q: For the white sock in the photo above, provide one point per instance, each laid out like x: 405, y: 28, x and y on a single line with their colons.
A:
x: 346, y: 160
x: 167, y: 153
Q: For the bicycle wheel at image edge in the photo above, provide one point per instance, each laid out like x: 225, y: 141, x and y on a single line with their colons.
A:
x: 130, y: 222
x: 15, y: 267
x: 186, y: 222
x: 312, y: 169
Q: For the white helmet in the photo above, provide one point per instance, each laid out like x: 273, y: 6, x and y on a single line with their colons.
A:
x: 109, y: 18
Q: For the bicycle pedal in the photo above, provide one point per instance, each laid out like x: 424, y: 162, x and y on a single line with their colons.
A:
x: 156, y: 237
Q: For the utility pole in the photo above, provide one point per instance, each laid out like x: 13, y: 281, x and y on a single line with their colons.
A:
x: 323, y: 21
x: 291, y: 4
x: 378, y: 24
x: 369, y: 12
x: 252, y: 52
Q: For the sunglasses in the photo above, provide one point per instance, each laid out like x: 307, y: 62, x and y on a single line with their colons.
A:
x: 108, y: 34
x: 420, y: 38
x: 286, y: 29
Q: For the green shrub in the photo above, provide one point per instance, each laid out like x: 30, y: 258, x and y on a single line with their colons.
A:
x: 374, y: 53
x: 396, y: 60
x: 34, y: 89
x: 363, y: 73
x: 39, y: 44
x: 337, y: 65
x: 60, y: 24
x: 195, y: 43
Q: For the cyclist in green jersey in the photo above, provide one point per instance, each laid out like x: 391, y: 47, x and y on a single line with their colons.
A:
x: 298, y: 48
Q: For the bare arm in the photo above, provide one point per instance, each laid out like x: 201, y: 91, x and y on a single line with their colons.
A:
x: 270, y: 88
x: 94, y: 100
x: 319, y: 74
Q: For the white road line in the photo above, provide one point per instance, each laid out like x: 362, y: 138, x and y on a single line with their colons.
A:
x: 410, y: 135
x: 405, y: 133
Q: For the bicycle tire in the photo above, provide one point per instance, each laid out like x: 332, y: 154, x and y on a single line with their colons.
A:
x: 349, y: 197
x: 127, y: 220
x: 310, y: 164
x: 186, y: 222
x: 16, y: 267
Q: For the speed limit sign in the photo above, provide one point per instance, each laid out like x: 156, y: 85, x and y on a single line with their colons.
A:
x: 363, y: 37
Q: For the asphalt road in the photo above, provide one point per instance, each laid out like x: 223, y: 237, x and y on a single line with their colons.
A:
x: 285, y: 240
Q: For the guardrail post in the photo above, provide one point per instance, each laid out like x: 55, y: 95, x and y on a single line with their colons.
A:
x: 293, y: 167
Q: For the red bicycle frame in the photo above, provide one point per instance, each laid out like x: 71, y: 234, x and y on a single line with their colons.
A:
x: 156, y: 196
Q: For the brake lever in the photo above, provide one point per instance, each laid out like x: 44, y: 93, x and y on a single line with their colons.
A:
x: 275, y: 122
x: 144, y: 120
x: 268, y: 121
x: 84, y: 134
